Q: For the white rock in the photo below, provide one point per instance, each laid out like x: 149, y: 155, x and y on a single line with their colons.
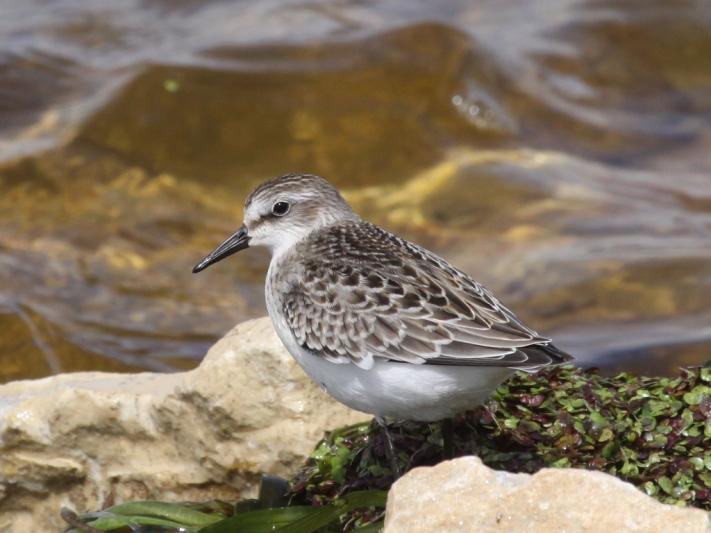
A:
x: 465, y: 495
x: 82, y: 440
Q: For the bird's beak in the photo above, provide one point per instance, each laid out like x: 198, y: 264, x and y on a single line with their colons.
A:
x: 235, y: 243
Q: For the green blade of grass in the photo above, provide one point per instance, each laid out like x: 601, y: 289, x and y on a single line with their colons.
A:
x: 170, y: 511
x: 299, y: 519
x: 111, y: 522
x: 330, y: 513
x: 260, y: 521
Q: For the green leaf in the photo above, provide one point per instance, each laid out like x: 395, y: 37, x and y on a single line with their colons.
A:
x: 697, y: 463
x: 654, y: 408
x: 170, y: 511
x: 331, y: 513
x: 693, y: 431
x: 511, y: 423
x: 666, y: 484
x: 261, y: 521
x: 688, y: 418
x: 608, y: 451
x: 695, y: 395
x: 650, y: 488
x: 648, y: 423
x: 302, y: 519
x: 629, y: 469
x: 598, y: 420
x: 606, y: 435
x: 115, y: 521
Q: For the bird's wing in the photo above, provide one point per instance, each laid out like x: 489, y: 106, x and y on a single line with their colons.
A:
x: 414, y: 308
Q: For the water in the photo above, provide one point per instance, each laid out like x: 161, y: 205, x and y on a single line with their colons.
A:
x: 558, y: 152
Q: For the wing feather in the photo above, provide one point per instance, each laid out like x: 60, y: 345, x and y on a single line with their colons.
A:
x: 409, y: 306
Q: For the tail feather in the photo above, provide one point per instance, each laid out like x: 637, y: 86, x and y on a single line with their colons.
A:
x: 542, y: 355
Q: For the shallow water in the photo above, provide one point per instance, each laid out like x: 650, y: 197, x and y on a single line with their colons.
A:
x: 558, y: 152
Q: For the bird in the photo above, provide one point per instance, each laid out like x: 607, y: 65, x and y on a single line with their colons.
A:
x: 384, y: 325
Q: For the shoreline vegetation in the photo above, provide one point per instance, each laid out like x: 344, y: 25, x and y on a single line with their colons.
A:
x: 653, y: 432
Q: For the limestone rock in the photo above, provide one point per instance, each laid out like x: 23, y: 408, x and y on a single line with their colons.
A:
x: 465, y: 495
x: 83, y: 440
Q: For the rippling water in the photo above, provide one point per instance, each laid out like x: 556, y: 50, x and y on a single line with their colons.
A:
x: 558, y: 152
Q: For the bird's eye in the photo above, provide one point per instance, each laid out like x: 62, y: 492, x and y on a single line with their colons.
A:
x: 280, y: 209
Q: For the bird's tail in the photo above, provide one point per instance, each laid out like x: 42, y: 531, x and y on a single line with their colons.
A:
x: 544, y: 355
x: 557, y: 355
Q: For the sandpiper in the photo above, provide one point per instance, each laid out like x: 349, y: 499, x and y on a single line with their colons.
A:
x: 384, y: 325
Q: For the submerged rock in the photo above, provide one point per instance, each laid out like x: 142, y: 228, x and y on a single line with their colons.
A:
x: 465, y: 495
x: 86, y: 440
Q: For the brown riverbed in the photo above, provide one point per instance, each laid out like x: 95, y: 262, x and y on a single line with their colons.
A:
x: 558, y: 152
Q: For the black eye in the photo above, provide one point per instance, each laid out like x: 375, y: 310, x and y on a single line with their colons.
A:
x: 280, y: 209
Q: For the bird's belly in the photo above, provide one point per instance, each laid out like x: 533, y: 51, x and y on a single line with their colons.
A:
x: 403, y: 390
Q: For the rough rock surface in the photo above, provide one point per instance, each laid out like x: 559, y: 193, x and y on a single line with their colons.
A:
x: 465, y: 495
x: 84, y: 440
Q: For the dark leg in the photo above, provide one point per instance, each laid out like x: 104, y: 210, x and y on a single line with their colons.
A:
x: 390, y: 449
x: 447, y: 428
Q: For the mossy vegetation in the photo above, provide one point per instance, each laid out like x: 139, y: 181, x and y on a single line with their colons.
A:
x: 652, y: 432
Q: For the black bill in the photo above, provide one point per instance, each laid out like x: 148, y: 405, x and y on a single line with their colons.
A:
x: 235, y: 243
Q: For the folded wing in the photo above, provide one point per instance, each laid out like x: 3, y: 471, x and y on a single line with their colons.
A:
x: 406, y: 304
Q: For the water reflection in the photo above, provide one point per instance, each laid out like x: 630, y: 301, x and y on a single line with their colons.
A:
x: 557, y: 152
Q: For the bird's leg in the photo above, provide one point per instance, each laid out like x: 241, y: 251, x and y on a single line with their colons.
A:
x: 475, y: 441
x: 389, y: 447
x: 447, y: 429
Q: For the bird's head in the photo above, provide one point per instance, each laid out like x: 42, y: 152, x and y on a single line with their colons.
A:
x: 282, y: 211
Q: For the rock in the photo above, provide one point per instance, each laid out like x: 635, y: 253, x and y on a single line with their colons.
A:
x: 465, y: 495
x: 87, y: 439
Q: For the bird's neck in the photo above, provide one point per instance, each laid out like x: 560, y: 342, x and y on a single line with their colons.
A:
x: 290, y: 241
